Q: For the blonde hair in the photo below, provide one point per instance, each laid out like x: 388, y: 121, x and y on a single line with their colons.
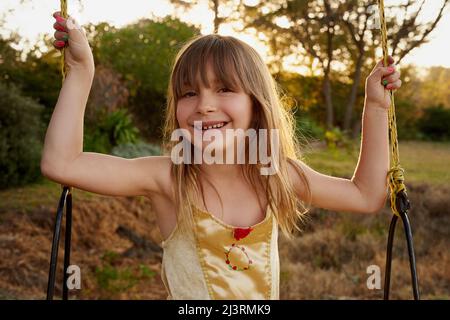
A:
x: 237, y: 64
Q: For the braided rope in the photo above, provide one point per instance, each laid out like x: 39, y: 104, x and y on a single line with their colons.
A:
x: 395, y: 174
x: 63, y: 62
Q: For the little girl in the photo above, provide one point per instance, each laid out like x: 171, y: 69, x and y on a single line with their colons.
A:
x: 219, y: 221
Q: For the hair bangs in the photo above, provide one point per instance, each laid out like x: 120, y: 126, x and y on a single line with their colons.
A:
x: 190, y: 70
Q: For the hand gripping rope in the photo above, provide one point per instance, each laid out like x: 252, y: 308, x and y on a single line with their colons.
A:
x: 399, y: 198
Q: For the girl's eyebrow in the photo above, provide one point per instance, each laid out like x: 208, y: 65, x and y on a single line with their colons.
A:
x: 215, y: 81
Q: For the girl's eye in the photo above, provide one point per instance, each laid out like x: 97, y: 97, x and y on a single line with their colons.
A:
x: 188, y: 94
x: 225, y: 90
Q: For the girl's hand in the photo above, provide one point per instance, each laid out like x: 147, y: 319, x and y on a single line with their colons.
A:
x: 72, y: 36
x: 380, y: 81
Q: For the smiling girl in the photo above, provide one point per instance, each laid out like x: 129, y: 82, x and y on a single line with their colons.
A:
x: 219, y: 222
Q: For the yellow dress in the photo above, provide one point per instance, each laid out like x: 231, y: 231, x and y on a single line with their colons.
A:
x: 219, y: 261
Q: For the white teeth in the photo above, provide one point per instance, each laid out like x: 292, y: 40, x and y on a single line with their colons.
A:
x: 219, y: 125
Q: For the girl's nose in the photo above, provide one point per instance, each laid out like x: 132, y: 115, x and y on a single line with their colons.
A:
x: 205, y: 106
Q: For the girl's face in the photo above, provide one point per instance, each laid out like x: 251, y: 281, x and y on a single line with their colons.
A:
x: 224, y: 107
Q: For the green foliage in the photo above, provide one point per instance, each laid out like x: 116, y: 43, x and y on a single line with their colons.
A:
x: 20, y: 138
x: 113, y: 129
x: 406, y: 115
x: 120, y: 127
x: 335, y: 139
x: 435, y: 123
x: 38, y: 78
x: 305, y: 90
x: 309, y: 128
x: 140, y: 149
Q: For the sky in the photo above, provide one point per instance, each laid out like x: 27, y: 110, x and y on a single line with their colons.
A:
x: 35, y: 18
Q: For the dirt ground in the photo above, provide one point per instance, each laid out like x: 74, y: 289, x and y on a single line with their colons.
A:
x: 115, y: 242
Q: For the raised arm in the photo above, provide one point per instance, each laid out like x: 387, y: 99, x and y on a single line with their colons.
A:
x: 63, y: 159
x: 366, y: 191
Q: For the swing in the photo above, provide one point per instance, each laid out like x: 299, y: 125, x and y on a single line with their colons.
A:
x: 399, y: 201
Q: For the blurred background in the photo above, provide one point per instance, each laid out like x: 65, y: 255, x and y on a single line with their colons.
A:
x: 320, y: 53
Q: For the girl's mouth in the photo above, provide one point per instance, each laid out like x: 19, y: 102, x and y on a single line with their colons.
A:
x: 215, y: 126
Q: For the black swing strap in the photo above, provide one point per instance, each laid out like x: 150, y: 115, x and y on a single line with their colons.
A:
x: 64, y: 201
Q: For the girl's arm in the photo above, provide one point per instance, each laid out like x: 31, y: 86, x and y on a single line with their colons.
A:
x: 366, y: 191
x: 64, y: 137
x: 63, y: 159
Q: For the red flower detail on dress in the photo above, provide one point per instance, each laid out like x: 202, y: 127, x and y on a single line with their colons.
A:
x: 240, y: 233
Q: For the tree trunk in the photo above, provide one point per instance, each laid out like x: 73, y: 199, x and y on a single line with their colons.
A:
x: 356, y: 129
x: 328, y: 101
x: 326, y: 73
x: 216, y: 16
x: 353, y: 92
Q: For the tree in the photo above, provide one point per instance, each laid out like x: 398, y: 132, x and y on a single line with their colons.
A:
x: 426, y: 89
x: 332, y: 31
x: 21, y: 136
x: 142, y: 53
x: 405, y: 34
x: 312, y: 26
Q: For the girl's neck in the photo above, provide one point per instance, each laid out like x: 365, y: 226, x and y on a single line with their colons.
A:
x: 222, y: 172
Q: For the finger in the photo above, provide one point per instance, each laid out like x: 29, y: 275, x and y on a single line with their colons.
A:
x: 392, y: 78
x: 59, y: 35
x: 393, y: 86
x: 390, y: 61
x: 380, y: 63
x: 59, y: 18
x: 57, y: 14
x: 60, y: 26
x: 58, y: 44
x: 381, y: 73
x: 70, y: 26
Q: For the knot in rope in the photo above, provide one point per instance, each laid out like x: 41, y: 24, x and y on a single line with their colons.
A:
x: 396, y: 186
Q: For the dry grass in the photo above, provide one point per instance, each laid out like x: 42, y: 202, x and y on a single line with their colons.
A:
x: 98, y: 249
x: 330, y: 258
x: 327, y: 261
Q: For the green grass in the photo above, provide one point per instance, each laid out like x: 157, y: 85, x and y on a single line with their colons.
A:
x: 115, y: 279
x: 423, y: 161
x: 32, y: 196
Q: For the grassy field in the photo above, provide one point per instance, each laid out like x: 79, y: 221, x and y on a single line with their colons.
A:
x: 427, y: 162
x: 327, y: 261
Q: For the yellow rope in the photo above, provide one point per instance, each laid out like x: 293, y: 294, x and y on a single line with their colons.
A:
x: 395, y: 174
x: 63, y: 62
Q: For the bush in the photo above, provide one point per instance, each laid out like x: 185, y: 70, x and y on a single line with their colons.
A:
x: 435, y: 123
x: 141, y: 149
x: 336, y: 138
x: 309, y: 128
x: 21, y: 133
x: 406, y: 115
x: 113, y: 129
